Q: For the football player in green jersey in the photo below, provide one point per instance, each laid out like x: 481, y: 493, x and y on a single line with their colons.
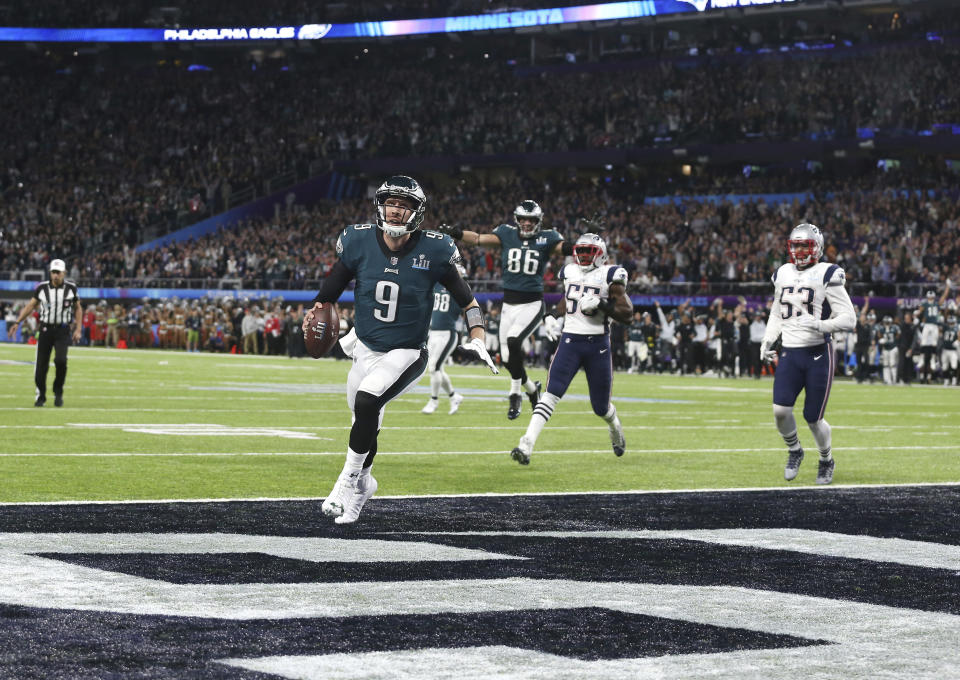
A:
x: 949, y: 351
x: 930, y: 322
x: 443, y: 339
x: 395, y: 267
x: 525, y: 249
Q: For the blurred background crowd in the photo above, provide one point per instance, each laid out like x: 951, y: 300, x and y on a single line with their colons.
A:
x: 670, y: 137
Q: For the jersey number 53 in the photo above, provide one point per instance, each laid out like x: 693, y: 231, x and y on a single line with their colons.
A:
x: 786, y: 308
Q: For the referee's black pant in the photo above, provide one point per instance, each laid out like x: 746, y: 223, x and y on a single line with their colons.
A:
x: 56, y: 338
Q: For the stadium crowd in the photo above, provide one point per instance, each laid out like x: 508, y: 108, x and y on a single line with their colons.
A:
x: 883, y: 238
x: 112, y: 150
x: 711, y: 340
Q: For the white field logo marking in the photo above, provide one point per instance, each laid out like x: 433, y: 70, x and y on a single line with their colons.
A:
x: 202, y: 430
x: 869, y: 640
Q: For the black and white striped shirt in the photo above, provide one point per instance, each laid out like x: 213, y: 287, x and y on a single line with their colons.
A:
x: 57, y: 304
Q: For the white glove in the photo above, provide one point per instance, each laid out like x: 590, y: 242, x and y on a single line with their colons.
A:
x: 552, y: 327
x: 810, y: 322
x: 348, y: 342
x: 589, y: 304
x: 476, y: 346
x: 767, y: 354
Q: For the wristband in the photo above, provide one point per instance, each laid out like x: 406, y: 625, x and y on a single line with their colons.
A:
x: 474, y: 317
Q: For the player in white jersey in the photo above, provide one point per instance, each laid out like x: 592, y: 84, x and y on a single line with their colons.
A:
x: 593, y: 291
x: 810, y: 302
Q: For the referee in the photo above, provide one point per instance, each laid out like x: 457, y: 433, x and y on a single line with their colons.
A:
x: 59, y: 307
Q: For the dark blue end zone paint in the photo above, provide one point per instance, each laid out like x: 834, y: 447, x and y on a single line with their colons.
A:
x: 48, y: 643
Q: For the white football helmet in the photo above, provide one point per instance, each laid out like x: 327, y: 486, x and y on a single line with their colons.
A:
x: 400, y: 186
x: 531, y: 211
x: 590, y: 252
x: 805, y: 245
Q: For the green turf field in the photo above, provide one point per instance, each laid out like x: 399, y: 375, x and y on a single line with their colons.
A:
x: 165, y: 425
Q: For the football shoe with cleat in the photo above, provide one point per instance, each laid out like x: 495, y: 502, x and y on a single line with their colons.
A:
x: 431, y: 406
x: 513, y: 412
x: 617, y: 438
x: 794, y: 458
x: 365, y: 488
x: 336, y: 501
x: 825, y: 471
x: 521, y: 453
x: 455, y: 402
x: 534, y: 396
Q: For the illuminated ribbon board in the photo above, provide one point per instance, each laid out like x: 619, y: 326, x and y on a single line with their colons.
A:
x: 375, y: 29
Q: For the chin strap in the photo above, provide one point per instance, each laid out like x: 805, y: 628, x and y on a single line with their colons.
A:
x: 389, y: 231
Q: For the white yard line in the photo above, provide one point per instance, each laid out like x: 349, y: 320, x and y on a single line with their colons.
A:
x: 634, y: 492
x: 493, y: 452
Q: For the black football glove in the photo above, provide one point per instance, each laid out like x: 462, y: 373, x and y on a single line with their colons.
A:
x: 456, y: 233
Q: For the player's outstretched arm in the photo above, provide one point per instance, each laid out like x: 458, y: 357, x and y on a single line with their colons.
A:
x: 471, y: 238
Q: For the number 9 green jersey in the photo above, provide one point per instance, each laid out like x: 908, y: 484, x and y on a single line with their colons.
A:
x: 393, y: 293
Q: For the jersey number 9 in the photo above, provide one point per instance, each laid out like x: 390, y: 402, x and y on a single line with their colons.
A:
x: 388, y: 293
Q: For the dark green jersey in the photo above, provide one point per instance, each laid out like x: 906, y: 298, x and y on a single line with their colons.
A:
x: 636, y: 331
x: 393, y: 293
x: 493, y: 325
x: 888, y: 337
x: 931, y: 312
x: 446, y: 311
x: 523, y: 260
x: 950, y: 336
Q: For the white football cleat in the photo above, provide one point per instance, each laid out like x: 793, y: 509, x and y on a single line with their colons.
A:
x: 364, y: 490
x: 431, y: 406
x: 336, y: 501
x: 617, y: 438
x: 455, y: 401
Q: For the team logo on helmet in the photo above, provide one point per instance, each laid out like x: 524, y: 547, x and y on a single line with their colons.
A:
x: 407, y: 188
x: 526, y: 211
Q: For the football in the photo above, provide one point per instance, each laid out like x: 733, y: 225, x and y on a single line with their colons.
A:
x: 323, y: 332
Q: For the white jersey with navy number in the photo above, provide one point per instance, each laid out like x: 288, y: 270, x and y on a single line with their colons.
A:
x: 578, y: 284
x: 818, y: 291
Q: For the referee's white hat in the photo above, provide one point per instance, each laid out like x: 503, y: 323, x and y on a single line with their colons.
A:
x: 58, y: 266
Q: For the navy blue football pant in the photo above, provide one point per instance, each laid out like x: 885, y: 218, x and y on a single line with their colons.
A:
x: 809, y: 369
x: 590, y: 352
